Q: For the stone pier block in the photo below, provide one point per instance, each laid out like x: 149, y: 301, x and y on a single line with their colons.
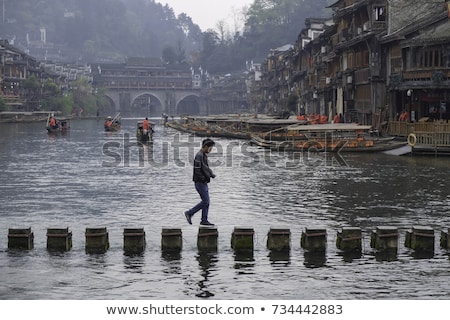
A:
x: 279, y: 239
x: 134, y: 240
x: 171, y: 239
x: 207, y: 239
x: 59, y: 239
x: 384, y: 238
x: 314, y: 239
x: 420, y: 239
x: 20, y: 238
x: 242, y: 239
x: 349, y: 239
x: 445, y: 239
x: 97, y: 240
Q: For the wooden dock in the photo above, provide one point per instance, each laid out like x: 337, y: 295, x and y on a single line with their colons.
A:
x: 427, y: 138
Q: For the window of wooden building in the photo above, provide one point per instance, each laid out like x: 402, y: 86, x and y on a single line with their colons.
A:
x: 362, y: 58
x: 428, y: 58
x: 363, y: 98
x: 396, y: 59
x: 380, y: 13
x: 350, y: 64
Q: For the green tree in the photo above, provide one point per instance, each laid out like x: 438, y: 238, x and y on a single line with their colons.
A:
x: 31, y: 84
x: 50, y: 95
x: 66, y: 103
x: 111, y: 30
x: 169, y: 55
x: 83, y: 97
x: 51, y: 88
x: 32, y: 88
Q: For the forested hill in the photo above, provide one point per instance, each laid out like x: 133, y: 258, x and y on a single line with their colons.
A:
x: 111, y: 30
x: 100, y: 29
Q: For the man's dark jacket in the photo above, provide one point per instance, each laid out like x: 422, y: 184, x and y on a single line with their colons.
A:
x: 202, y: 171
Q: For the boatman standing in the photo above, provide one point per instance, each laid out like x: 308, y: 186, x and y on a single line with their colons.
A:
x: 201, y: 177
x: 53, y: 124
x: 145, y: 125
x: 108, y: 121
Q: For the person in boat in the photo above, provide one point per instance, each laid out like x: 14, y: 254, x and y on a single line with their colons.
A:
x: 202, y: 176
x: 53, y: 123
x: 145, y: 126
x: 341, y: 118
x: 165, y: 117
x: 336, y: 118
x: 108, y: 121
x: 323, y: 119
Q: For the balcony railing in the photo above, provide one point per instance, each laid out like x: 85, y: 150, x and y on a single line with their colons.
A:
x: 426, y: 132
x: 150, y: 85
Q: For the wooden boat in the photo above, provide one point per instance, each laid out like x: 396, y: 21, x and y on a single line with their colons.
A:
x: 60, y: 125
x: 230, y: 126
x: 112, y: 124
x: 201, y: 129
x: 144, y: 135
x: 340, y: 137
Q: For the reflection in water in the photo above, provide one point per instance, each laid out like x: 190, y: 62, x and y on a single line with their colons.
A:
x: 171, y: 255
x: 173, y: 261
x: 133, y: 261
x: 59, y: 253
x: 349, y: 256
x: 97, y: 261
x: 422, y: 254
x: 315, y: 259
x: 244, y: 262
x: 280, y: 257
x: 388, y: 255
x: 18, y: 253
x: 145, y: 153
x: 207, y: 262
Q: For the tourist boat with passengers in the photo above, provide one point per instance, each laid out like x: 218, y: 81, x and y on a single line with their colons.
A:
x: 345, y: 137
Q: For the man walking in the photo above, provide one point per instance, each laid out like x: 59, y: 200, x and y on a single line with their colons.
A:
x: 201, y: 177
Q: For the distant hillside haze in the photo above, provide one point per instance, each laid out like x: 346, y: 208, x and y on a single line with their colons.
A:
x: 86, y: 31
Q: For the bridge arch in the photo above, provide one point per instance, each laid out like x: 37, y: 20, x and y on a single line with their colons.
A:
x: 155, y: 102
x: 146, y: 104
x: 188, y: 104
x: 106, y: 107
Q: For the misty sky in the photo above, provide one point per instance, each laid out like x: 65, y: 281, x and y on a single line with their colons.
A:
x: 206, y: 13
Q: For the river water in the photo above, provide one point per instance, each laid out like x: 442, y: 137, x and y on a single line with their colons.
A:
x: 90, y: 178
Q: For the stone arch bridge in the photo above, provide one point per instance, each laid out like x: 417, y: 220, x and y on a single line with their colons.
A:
x: 157, y: 101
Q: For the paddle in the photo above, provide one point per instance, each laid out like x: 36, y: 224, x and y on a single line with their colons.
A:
x: 115, y: 117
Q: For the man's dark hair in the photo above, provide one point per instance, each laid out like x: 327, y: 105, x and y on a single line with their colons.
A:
x: 208, y: 143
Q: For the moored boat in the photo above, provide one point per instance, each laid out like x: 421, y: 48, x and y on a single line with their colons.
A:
x: 340, y: 137
x: 201, y: 128
x: 231, y: 126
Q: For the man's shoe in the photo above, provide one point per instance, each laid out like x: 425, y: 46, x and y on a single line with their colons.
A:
x: 188, y: 217
x: 206, y: 223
